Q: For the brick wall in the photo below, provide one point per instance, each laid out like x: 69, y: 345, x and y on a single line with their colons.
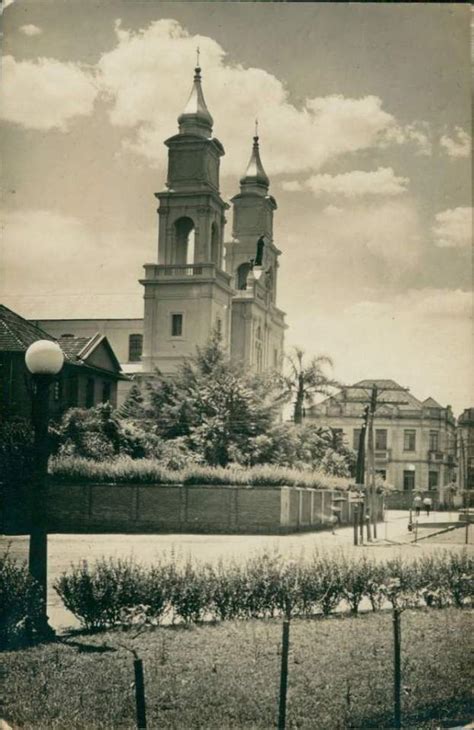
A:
x: 138, y: 508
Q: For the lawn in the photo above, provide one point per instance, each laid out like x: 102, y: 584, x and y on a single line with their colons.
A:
x: 226, y: 675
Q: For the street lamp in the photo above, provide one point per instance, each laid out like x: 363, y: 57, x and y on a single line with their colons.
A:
x: 44, y: 359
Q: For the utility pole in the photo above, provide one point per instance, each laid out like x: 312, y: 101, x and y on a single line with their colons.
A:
x: 372, y: 402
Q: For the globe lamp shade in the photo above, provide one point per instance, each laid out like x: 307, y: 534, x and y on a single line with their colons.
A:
x: 44, y: 357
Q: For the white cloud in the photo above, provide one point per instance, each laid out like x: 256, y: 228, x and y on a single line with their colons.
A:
x: 30, y: 30
x: 356, y: 183
x: 45, y: 94
x: 453, y: 228
x: 417, y: 133
x: 148, y: 75
x: 332, y: 210
x: 457, y: 146
x: 292, y: 186
x: 394, y: 339
x: 55, y: 265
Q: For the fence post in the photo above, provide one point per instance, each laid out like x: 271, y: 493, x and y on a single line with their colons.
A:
x: 285, y: 647
x: 356, y: 523
x: 397, y: 679
x: 467, y: 529
x: 140, y: 694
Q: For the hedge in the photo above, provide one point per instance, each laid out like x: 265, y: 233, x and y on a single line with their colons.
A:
x: 149, y: 471
x: 121, y: 592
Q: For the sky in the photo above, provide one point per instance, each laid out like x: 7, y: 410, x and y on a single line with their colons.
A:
x: 364, y: 122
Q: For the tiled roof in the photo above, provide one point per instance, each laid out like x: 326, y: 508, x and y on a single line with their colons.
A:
x: 431, y: 403
x: 16, y: 333
x: 72, y: 346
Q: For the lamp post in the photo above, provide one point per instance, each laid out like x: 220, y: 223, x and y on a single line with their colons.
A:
x: 44, y: 359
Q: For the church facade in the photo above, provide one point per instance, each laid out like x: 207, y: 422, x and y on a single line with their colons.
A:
x: 202, y: 282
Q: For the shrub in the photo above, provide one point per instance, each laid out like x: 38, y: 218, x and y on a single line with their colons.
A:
x: 227, y: 591
x: 356, y: 576
x: 98, y: 595
x: 459, y: 576
x: 190, y: 594
x: 20, y: 604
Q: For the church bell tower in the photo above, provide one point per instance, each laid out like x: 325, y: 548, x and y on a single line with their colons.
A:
x: 258, y: 326
x: 187, y: 293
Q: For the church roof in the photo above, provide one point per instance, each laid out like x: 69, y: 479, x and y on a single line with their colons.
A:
x: 16, y: 333
x: 255, y: 173
x: 196, y: 118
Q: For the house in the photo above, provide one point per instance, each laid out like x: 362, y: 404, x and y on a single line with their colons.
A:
x: 415, y: 441
x: 89, y: 376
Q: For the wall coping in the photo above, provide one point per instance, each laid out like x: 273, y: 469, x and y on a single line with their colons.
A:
x: 58, y: 482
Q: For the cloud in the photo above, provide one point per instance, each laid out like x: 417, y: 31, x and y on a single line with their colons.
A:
x: 30, y: 30
x: 292, y: 186
x: 45, y: 94
x: 459, y: 146
x: 55, y: 265
x: 417, y: 133
x: 453, y: 228
x: 147, y: 79
x: 355, y: 183
x: 366, y: 340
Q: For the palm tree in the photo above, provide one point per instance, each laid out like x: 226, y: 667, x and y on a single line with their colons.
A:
x: 305, y: 381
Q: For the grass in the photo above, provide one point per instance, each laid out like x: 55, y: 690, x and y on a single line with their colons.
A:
x: 226, y: 675
x: 149, y: 471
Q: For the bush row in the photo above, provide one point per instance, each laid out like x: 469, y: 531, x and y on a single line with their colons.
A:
x: 114, y: 592
x: 123, y: 469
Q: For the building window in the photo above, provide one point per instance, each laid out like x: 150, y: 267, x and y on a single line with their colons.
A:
x: 242, y: 274
x: 382, y: 473
x: 409, y: 440
x: 356, y: 438
x: 275, y: 358
x: 380, y: 439
x: 434, y: 440
x: 135, y: 347
x: 176, y: 325
x: 408, y: 481
x: 433, y: 480
x: 219, y: 326
x: 90, y: 392
x: 106, y: 392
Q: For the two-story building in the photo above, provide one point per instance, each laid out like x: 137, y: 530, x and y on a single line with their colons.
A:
x: 415, y: 441
x: 465, y: 449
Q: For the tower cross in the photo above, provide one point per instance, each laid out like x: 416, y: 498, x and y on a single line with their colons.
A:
x: 197, y: 56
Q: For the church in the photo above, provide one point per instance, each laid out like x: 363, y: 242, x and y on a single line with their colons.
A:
x: 201, y: 281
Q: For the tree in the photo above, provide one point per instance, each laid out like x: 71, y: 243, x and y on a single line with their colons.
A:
x: 304, y: 381
x: 214, y: 405
x: 134, y: 404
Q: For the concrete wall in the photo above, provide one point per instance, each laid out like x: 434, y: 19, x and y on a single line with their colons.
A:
x: 138, y: 508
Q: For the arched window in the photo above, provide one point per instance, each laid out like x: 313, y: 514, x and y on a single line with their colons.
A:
x: 184, y: 241
x: 215, y: 257
x: 242, y: 273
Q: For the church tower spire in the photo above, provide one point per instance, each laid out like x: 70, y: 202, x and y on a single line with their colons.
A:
x: 255, y: 178
x: 196, y: 118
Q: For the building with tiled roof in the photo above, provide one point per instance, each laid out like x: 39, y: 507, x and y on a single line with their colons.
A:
x: 89, y: 375
x: 415, y: 441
